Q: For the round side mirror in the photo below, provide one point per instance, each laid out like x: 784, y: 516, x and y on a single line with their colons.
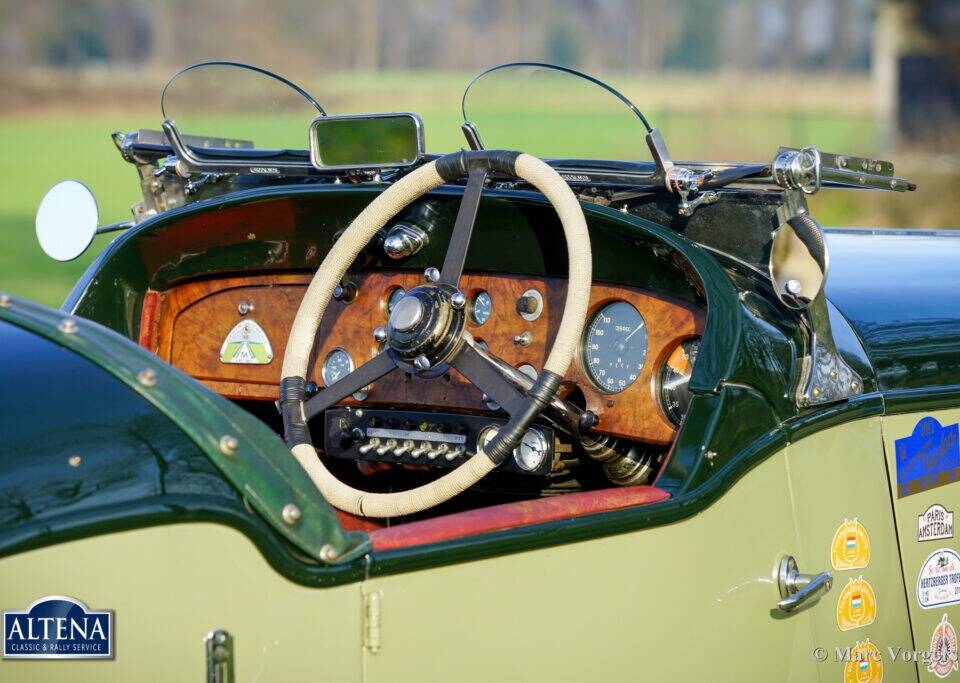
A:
x: 67, y: 220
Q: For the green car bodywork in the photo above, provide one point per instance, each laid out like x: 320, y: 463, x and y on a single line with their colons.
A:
x: 180, y: 532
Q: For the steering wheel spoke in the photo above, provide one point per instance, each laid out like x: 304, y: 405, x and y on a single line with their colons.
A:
x: 485, y: 376
x: 463, y: 229
x: 380, y: 366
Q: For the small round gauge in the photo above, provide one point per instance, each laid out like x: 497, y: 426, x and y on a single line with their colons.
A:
x: 393, y: 298
x: 615, y: 346
x: 481, y: 306
x: 532, y: 450
x: 675, y: 379
x: 337, y: 365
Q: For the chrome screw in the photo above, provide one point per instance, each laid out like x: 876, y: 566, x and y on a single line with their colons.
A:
x: 794, y: 286
x: 380, y: 334
x: 147, y: 378
x: 432, y: 274
x: 421, y: 363
x: 244, y: 307
x: 68, y: 326
x: 458, y: 300
x: 523, y: 339
x: 228, y: 444
x: 290, y: 514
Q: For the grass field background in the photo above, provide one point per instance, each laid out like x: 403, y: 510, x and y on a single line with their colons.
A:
x: 67, y: 135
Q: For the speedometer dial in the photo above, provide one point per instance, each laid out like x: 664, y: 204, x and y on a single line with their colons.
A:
x: 615, y: 347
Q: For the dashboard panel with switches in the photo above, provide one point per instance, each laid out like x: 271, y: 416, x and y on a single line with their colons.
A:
x: 631, y: 372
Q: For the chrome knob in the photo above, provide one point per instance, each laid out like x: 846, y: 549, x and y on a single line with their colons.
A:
x: 369, y: 446
x: 421, y: 363
x: 407, y: 445
x: 439, y: 450
x: 403, y: 240
x: 388, y: 445
x: 431, y: 274
x: 345, y: 292
x: 420, y: 450
x: 379, y: 334
x: 458, y: 300
x: 453, y: 454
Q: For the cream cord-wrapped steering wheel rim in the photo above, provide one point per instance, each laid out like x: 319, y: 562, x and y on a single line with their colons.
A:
x: 345, y: 250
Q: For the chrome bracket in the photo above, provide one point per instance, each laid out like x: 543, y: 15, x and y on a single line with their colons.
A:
x: 824, y: 376
x: 219, y: 645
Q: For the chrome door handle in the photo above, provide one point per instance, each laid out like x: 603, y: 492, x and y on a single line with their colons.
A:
x: 797, y: 588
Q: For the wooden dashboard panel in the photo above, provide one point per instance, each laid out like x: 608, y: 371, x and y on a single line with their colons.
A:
x: 187, y: 325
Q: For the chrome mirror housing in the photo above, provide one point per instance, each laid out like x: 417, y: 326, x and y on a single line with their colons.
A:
x: 66, y: 220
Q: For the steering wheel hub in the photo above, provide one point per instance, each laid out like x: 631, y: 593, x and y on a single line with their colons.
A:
x: 425, y: 323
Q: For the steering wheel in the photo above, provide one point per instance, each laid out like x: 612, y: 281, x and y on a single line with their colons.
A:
x: 426, y: 329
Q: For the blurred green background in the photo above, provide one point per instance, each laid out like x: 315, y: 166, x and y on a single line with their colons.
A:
x: 734, y: 88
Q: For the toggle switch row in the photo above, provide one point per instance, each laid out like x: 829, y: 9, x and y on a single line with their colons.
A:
x: 410, y: 448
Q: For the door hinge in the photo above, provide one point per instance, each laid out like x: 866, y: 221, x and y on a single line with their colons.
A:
x: 371, y: 621
x: 219, y: 646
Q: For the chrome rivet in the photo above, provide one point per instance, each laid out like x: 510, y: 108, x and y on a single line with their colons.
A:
x: 523, y: 339
x: 893, y: 184
x: 458, y: 300
x: 864, y: 165
x: 4, y: 301
x: 794, y: 286
x: 328, y: 553
x: 842, y: 161
x: 244, y: 307
x: 229, y: 444
x: 290, y: 514
x: 421, y: 363
x: 147, y: 378
x: 74, y: 461
x: 710, y: 455
x: 68, y: 326
x: 380, y: 334
x: 855, y: 385
x: 833, y: 374
x: 432, y: 274
x: 815, y: 392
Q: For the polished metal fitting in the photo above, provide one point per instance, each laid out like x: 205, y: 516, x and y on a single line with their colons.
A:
x: 403, y: 240
x: 431, y: 274
x: 458, y: 300
x: 421, y: 363
x: 798, y: 169
x: 380, y: 334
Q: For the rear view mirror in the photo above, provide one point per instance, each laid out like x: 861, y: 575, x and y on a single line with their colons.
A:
x: 67, y: 220
x: 366, y: 141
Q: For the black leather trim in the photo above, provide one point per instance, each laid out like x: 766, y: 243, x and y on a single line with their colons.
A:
x: 808, y: 231
x: 292, y: 396
x: 457, y: 165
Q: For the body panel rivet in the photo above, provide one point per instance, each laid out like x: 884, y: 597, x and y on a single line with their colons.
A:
x: 74, y: 461
x: 68, y: 326
x: 328, y: 553
x: 4, y: 301
x: 291, y: 514
x: 147, y: 378
x: 228, y: 444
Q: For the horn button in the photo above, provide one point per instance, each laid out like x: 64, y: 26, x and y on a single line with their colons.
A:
x: 424, y: 323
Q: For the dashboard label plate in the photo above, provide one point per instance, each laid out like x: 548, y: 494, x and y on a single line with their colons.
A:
x: 246, y: 344
x: 415, y: 435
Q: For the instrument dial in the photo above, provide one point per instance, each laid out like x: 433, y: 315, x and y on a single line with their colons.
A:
x: 675, y: 379
x: 481, y: 306
x: 615, y: 347
x: 529, y: 455
x: 337, y: 365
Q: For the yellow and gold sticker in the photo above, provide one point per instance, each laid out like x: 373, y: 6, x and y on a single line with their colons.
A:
x: 857, y: 605
x: 865, y: 665
x: 851, y: 546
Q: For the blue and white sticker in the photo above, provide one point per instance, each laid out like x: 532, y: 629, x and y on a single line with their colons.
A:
x: 938, y: 582
x: 928, y: 458
x: 58, y: 627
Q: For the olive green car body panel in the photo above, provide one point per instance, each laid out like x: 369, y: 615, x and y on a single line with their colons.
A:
x: 170, y: 586
x: 667, y: 603
x: 914, y: 552
x: 259, y: 468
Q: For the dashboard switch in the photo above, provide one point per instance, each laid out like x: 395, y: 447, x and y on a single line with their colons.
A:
x: 369, y: 446
x: 387, y: 446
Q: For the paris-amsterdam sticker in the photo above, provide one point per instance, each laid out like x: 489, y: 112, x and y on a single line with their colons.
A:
x: 943, y: 649
x: 864, y: 665
x: 935, y: 524
x: 938, y: 582
x: 857, y: 605
x: 851, y: 546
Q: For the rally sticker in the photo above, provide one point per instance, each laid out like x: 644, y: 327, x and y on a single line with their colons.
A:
x: 865, y: 665
x: 928, y: 458
x: 938, y: 583
x: 851, y: 546
x: 943, y: 649
x: 246, y: 344
x: 936, y: 524
x: 857, y: 605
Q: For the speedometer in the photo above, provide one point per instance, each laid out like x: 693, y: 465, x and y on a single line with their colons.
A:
x: 615, y: 347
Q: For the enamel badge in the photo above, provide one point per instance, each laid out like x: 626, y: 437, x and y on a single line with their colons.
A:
x: 938, y: 583
x: 857, y: 605
x: 851, y: 546
x: 246, y: 344
x: 865, y: 664
x: 943, y: 649
x: 936, y: 524
x: 928, y: 458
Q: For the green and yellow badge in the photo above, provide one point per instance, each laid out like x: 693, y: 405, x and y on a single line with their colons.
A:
x: 246, y: 344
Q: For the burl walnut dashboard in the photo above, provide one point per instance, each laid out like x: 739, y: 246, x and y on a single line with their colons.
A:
x: 193, y: 325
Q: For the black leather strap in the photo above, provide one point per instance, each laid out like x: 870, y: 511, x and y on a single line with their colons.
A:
x: 459, y: 164
x: 292, y: 395
x: 808, y: 231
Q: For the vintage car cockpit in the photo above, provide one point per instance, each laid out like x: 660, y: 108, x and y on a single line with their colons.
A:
x: 437, y: 333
